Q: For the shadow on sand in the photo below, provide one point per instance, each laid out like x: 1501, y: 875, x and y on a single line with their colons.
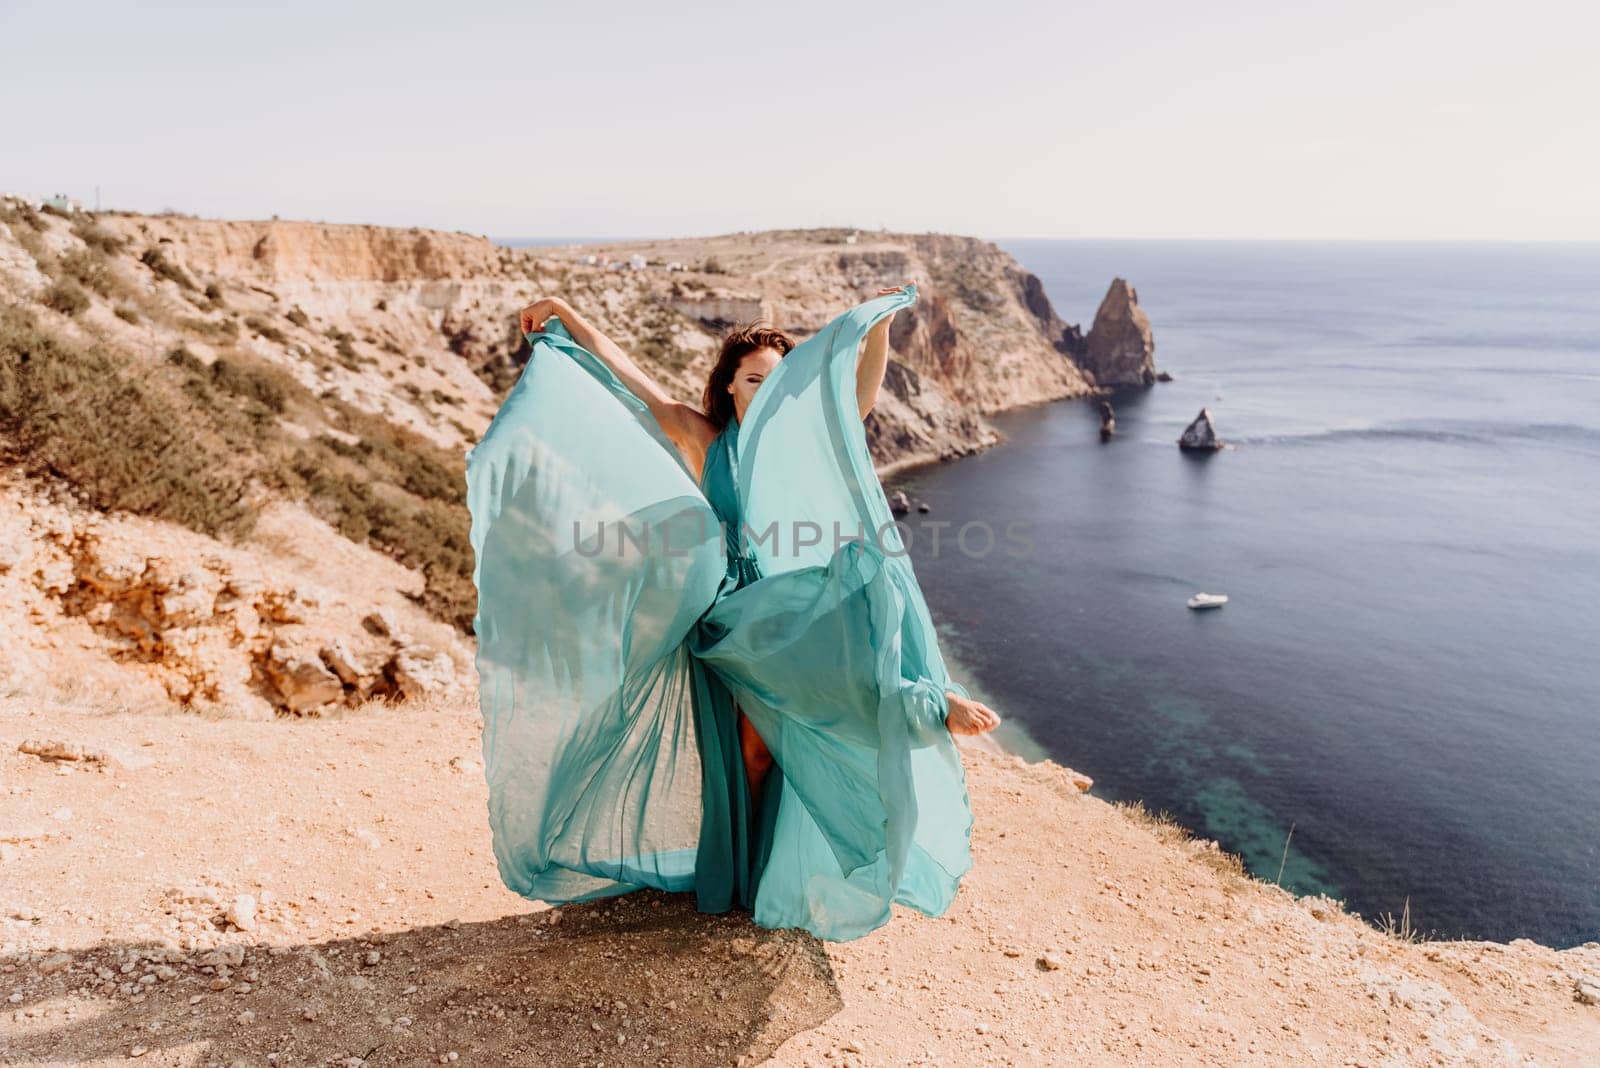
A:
x: 641, y: 979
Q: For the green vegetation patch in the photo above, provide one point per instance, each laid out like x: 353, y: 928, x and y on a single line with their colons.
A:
x: 186, y: 441
x: 122, y: 440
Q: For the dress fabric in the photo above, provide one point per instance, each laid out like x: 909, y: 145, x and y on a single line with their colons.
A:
x: 627, y: 612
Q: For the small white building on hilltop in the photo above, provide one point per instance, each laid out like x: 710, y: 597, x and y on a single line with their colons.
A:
x: 637, y: 262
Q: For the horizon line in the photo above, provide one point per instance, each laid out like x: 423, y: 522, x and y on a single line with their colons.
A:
x: 598, y: 239
x: 591, y: 239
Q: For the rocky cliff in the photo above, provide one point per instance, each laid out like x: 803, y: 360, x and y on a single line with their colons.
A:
x: 197, y: 415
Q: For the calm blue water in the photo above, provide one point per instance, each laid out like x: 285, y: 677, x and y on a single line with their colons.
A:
x: 1407, y: 671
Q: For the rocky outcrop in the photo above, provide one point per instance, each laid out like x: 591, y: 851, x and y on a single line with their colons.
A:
x: 914, y: 421
x: 155, y: 615
x: 1120, y: 348
x: 277, y: 252
x: 1200, y: 435
x: 720, y: 310
x: 419, y: 326
x: 310, y: 353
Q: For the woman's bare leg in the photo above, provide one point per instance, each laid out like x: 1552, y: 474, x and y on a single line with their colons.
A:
x: 757, y: 758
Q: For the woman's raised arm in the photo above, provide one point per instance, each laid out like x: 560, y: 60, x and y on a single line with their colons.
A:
x: 874, y: 359
x: 691, y: 431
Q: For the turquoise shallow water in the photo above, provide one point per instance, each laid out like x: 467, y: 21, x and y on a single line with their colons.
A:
x: 1407, y: 529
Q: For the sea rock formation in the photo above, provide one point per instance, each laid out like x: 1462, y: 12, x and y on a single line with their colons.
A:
x: 1200, y: 435
x: 1120, y: 348
x: 1108, y: 420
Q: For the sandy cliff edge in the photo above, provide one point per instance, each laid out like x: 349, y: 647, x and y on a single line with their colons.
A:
x: 379, y: 930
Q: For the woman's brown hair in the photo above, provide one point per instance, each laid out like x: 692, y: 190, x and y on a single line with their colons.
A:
x: 717, y: 401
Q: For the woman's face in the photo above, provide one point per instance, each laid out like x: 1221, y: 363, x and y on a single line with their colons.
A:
x: 754, y: 367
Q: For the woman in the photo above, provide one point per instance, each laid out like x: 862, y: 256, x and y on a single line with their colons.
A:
x: 820, y: 784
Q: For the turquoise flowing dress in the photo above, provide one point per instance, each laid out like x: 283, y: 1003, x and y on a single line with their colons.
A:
x: 627, y: 613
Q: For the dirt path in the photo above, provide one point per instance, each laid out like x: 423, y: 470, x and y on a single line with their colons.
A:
x: 381, y: 934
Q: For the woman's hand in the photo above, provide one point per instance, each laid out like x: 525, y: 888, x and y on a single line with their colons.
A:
x: 967, y: 716
x: 534, y: 316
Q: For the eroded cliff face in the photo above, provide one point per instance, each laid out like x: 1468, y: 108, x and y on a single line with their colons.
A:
x: 415, y: 315
x: 228, y: 382
x: 983, y: 337
x: 120, y: 611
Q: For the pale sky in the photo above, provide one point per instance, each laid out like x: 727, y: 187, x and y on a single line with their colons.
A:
x: 1359, y: 119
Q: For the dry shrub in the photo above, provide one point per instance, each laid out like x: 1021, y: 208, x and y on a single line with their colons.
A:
x: 162, y: 267
x: 66, y: 297
x: 91, y: 419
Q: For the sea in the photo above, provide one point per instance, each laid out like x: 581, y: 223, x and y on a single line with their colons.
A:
x: 1399, y: 706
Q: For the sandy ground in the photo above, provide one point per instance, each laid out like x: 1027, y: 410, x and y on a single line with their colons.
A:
x: 380, y: 932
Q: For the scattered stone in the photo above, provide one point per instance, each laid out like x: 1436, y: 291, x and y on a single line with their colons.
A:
x: 137, y: 1051
x: 379, y: 624
x: 301, y: 677
x: 228, y: 956
x: 372, y: 958
x: 1049, y: 962
x: 899, y: 503
x: 1077, y: 780
x: 55, y: 750
x: 242, y: 913
x: 352, y: 669
x: 418, y: 670
x: 1587, y: 990
x: 246, y: 1017
x: 202, y: 895
x: 56, y: 962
